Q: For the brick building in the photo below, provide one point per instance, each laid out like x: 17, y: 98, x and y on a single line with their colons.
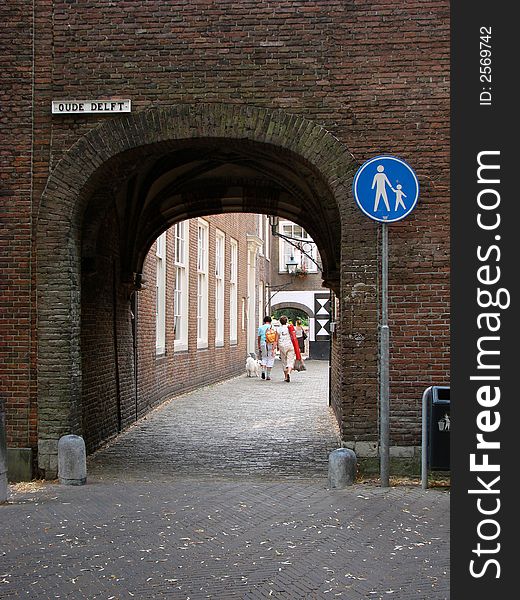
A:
x: 253, y: 107
x: 194, y: 320
x: 299, y: 286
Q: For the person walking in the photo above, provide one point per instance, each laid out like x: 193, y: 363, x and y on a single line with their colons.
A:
x: 380, y: 182
x: 267, y: 338
x: 300, y: 335
x: 286, y: 347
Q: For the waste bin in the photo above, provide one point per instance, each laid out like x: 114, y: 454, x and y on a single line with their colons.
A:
x: 439, y: 429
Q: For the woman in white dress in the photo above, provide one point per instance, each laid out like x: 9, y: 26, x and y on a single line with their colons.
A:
x: 285, y: 345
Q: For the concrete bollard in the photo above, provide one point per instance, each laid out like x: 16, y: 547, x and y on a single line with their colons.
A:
x: 342, y: 468
x: 3, y: 454
x: 72, y: 460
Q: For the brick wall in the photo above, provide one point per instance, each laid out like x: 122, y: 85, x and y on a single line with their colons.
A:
x: 109, y: 398
x: 100, y: 384
x: 311, y: 281
x: 159, y: 376
x: 376, y: 75
x: 17, y: 359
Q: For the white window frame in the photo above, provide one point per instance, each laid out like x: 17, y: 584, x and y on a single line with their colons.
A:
x: 261, y: 229
x: 202, y: 282
x: 160, y: 295
x: 233, y: 291
x: 267, y: 240
x: 181, y: 232
x: 286, y: 249
x: 261, y: 297
x: 220, y: 263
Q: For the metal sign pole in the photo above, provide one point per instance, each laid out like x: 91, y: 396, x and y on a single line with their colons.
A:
x: 424, y: 443
x: 371, y: 188
x: 384, y: 394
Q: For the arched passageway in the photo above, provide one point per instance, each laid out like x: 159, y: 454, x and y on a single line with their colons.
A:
x: 127, y: 181
x: 318, y: 308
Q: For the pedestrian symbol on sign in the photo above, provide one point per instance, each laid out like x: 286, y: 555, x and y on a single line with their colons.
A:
x: 381, y: 186
x: 380, y: 182
x: 399, y: 195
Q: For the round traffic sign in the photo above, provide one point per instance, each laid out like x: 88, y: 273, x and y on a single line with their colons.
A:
x: 386, y: 189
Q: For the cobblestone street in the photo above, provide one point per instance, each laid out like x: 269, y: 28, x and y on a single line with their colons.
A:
x: 241, y: 427
x: 222, y: 493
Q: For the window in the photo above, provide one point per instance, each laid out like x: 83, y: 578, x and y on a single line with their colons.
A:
x: 202, y: 284
x: 160, y: 295
x: 261, y: 314
x: 267, y: 241
x: 260, y: 227
x: 219, y: 287
x: 233, y: 291
x: 180, y: 294
x: 287, y: 250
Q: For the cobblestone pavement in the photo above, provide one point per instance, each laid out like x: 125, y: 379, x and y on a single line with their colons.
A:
x: 194, y: 539
x: 222, y: 494
x: 241, y: 427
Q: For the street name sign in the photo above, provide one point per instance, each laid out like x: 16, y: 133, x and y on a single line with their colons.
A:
x: 81, y: 107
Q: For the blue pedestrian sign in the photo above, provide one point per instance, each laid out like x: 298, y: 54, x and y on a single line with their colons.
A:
x: 386, y: 189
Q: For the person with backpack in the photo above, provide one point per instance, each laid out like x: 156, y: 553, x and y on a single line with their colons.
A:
x: 267, y: 341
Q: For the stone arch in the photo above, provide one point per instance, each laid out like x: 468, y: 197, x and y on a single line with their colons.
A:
x: 319, y: 346
x: 92, y: 162
x: 303, y: 307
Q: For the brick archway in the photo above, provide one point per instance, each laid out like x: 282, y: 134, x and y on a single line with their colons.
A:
x: 92, y: 162
x: 303, y: 307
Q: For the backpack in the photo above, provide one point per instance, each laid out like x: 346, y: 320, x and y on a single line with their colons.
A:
x: 270, y: 335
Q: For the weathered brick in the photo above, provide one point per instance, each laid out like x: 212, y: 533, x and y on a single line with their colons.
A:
x: 356, y: 78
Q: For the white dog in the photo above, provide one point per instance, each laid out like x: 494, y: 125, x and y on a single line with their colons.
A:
x: 252, y: 367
